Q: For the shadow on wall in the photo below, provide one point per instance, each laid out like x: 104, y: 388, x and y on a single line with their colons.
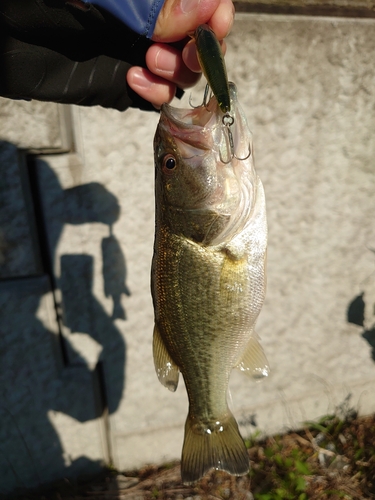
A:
x: 356, y: 315
x: 42, y: 372
x: 93, y: 203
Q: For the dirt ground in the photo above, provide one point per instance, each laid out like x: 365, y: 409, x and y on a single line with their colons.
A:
x: 329, y: 459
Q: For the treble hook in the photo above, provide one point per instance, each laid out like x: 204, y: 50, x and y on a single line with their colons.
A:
x: 206, y: 98
x: 228, y: 121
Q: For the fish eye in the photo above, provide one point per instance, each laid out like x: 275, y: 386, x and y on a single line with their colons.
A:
x: 169, y: 163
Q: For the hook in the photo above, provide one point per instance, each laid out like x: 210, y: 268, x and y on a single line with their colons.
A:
x: 228, y: 121
x: 246, y: 157
x: 206, y: 98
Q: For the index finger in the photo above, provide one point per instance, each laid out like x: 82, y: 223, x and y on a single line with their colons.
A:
x: 222, y: 19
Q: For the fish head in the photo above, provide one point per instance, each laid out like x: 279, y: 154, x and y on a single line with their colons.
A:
x: 204, y: 188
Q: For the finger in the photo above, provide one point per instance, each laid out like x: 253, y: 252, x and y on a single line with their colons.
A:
x: 150, y: 87
x: 166, y: 61
x: 222, y: 19
x: 190, y: 58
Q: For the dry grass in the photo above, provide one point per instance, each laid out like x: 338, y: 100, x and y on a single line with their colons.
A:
x: 331, y: 459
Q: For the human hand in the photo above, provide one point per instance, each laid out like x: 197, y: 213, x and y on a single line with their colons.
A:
x: 168, y: 67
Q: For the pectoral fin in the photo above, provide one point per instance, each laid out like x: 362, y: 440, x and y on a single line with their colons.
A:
x: 253, y: 361
x: 166, y: 368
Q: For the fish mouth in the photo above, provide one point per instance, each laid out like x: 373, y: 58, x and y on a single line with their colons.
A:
x: 192, y: 129
x: 197, y: 116
x: 204, y: 128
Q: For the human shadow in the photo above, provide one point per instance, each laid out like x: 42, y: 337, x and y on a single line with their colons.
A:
x: 81, y: 311
x: 83, y: 314
x: 46, y: 372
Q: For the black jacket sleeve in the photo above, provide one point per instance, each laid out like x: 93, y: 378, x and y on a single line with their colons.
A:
x: 66, y: 52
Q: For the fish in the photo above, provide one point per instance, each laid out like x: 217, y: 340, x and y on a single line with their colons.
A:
x: 208, y: 275
x: 211, y: 60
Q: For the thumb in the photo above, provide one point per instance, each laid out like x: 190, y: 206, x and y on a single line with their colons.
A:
x: 179, y: 17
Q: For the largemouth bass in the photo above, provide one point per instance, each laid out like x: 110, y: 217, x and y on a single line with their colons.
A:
x: 208, y: 275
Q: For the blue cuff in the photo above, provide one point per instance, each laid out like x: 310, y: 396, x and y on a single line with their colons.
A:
x: 139, y: 15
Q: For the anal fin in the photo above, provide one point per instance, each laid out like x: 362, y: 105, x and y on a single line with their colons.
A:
x: 253, y: 361
x: 166, y: 369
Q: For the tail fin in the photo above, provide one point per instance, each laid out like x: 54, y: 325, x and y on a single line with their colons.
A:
x: 217, y: 445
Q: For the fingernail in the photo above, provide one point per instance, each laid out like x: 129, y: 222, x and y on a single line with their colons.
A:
x: 165, y: 62
x: 139, y: 80
x: 189, y: 5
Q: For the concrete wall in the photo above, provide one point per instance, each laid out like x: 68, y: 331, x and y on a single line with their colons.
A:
x: 52, y: 414
x: 307, y: 88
